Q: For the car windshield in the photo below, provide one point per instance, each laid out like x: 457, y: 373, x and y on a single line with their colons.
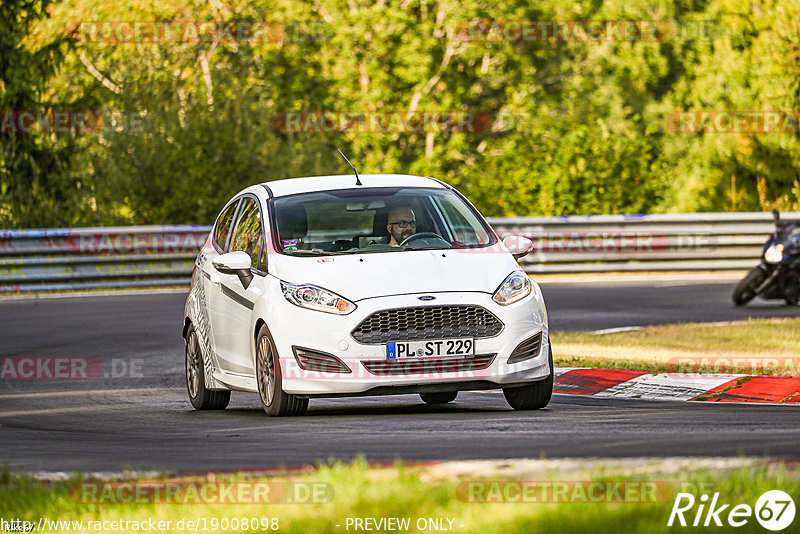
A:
x: 363, y: 220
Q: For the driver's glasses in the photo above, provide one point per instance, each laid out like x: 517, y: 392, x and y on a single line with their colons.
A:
x: 405, y: 224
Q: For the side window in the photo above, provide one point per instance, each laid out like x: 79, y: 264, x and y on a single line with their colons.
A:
x: 247, y: 234
x: 224, y: 226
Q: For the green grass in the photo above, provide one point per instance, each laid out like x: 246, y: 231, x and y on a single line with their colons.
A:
x: 756, y: 346
x: 407, y: 491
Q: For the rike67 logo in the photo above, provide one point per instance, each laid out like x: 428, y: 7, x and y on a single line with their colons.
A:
x: 774, y: 510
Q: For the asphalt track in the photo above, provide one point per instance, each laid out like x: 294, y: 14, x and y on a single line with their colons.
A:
x: 139, y: 417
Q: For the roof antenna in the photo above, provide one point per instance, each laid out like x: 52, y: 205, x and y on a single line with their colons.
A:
x: 358, y: 182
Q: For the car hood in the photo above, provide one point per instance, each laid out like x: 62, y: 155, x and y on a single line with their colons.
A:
x: 361, y: 276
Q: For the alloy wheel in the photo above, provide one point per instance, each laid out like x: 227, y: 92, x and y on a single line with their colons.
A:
x: 192, y: 365
x: 266, y: 371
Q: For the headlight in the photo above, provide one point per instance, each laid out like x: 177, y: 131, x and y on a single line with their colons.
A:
x: 316, y: 298
x: 516, y: 287
x: 774, y: 254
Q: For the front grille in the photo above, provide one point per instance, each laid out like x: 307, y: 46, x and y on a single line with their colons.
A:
x: 527, y: 349
x: 427, y: 322
x: 414, y: 367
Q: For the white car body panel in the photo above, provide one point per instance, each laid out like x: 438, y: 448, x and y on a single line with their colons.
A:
x: 225, y: 314
x: 518, y: 322
x: 357, y: 276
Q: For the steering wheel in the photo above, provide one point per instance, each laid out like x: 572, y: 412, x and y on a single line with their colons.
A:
x: 421, y: 235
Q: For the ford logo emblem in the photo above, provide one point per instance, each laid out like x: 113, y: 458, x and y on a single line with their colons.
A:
x: 427, y: 297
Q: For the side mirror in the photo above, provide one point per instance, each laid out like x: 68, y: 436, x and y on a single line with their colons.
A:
x: 518, y: 246
x: 237, y: 263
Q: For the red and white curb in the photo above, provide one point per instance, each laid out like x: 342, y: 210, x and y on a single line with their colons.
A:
x: 678, y: 386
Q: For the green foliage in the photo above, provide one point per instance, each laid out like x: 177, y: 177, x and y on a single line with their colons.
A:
x: 415, y: 493
x: 37, y: 180
x: 573, y: 127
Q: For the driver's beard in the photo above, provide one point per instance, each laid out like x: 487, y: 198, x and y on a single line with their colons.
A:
x: 398, y: 237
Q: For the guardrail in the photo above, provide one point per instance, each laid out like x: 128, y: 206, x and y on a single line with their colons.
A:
x: 664, y: 242
x: 98, y: 258
x: 126, y: 257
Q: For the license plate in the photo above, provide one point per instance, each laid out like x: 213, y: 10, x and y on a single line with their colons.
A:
x: 434, y: 348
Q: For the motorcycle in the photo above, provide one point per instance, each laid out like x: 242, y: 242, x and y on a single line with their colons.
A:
x: 778, y: 276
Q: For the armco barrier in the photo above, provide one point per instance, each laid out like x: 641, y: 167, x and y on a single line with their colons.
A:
x: 136, y: 256
x: 668, y: 242
x: 96, y: 258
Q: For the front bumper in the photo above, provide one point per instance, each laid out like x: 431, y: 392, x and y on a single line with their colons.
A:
x: 294, y: 326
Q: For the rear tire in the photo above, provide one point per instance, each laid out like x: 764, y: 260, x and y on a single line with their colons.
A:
x: 200, y: 397
x: 275, y: 401
x: 442, y: 397
x: 746, y: 289
x: 535, y: 395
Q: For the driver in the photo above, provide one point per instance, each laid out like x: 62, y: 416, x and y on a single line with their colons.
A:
x: 402, y: 224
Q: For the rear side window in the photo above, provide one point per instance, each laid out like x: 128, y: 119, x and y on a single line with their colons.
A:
x: 247, y: 235
x: 224, y: 226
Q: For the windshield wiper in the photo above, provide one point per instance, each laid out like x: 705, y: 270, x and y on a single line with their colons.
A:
x: 315, y: 252
x: 428, y: 248
x: 400, y: 249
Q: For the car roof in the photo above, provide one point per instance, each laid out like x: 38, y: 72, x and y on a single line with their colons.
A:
x: 311, y: 184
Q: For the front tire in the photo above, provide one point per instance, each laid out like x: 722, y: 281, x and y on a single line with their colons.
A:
x: 535, y: 395
x: 746, y: 289
x: 442, y: 397
x: 275, y: 401
x: 200, y: 397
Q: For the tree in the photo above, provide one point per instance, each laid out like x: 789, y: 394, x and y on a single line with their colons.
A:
x: 38, y: 184
x: 565, y: 126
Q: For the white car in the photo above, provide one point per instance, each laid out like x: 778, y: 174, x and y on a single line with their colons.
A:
x: 334, y: 287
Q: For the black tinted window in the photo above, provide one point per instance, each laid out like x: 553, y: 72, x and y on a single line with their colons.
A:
x: 224, y: 226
